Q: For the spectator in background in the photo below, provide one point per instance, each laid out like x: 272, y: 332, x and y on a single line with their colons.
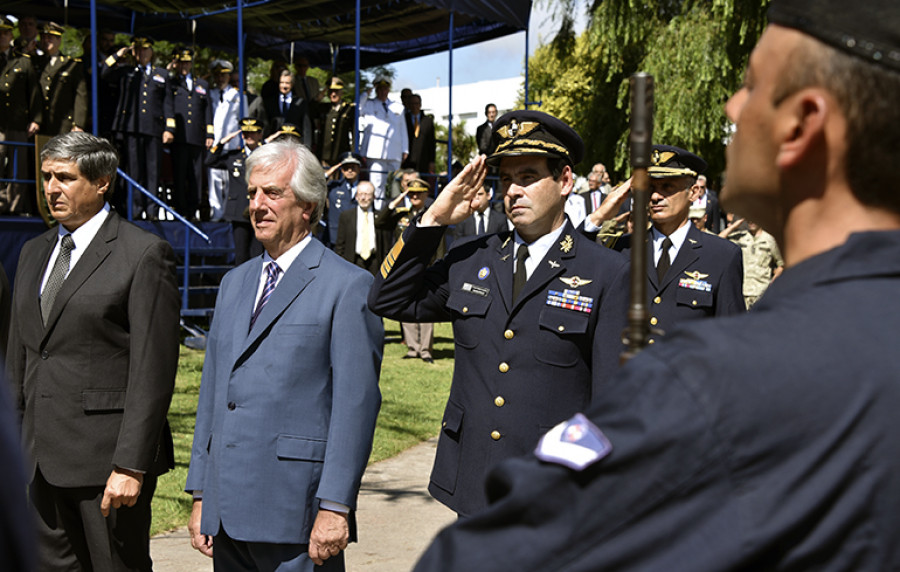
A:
x: 708, y: 200
x: 286, y: 106
x: 484, y: 219
x: 359, y: 241
x: 341, y: 194
x: 338, y: 133
x: 385, y: 140
x: 62, y: 85
x: 484, y: 131
x: 27, y: 42
x: 762, y: 258
x: 420, y: 132
x: 226, y: 111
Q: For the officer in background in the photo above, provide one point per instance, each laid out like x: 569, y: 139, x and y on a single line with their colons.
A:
x: 341, y: 193
x: 226, y: 112
x: 231, y: 161
x: 193, y: 132
x: 337, y: 128
x: 769, y: 440
x: 537, y: 313
x: 21, y: 113
x: 142, y: 113
x: 63, y: 86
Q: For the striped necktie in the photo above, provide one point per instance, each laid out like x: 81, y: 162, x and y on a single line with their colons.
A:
x: 57, y: 276
x: 272, y: 272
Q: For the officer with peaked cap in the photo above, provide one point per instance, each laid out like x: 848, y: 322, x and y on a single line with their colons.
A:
x: 225, y: 100
x: 691, y: 274
x: 21, y: 113
x: 143, y: 110
x: 769, y: 440
x: 537, y: 313
x: 63, y: 86
x: 337, y: 128
x: 341, y: 193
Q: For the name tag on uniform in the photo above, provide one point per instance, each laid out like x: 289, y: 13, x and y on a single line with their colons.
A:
x: 475, y: 289
x: 570, y: 300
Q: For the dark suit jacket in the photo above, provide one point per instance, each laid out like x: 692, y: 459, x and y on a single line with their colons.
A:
x: 522, y: 365
x: 94, y: 385
x: 296, y: 114
x: 287, y: 411
x: 421, y: 148
x: 497, y: 222
x: 713, y: 212
x: 483, y: 138
x: 346, y: 241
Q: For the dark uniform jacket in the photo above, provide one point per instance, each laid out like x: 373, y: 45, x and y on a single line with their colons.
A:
x: 20, y: 94
x: 705, y: 279
x: 336, y: 132
x: 764, y: 441
x: 521, y: 367
x: 340, y: 198
x: 193, y: 123
x: 64, y: 89
x: 236, y: 201
x: 145, y: 102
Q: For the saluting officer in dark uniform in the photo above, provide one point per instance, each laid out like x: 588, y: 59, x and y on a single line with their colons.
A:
x: 144, y: 108
x: 768, y: 440
x: 21, y: 113
x: 193, y: 131
x: 537, y: 313
x: 337, y: 129
x: 63, y: 86
x: 236, y: 201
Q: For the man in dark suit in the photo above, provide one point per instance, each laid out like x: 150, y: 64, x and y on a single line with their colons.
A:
x: 93, y: 351
x: 63, y: 86
x: 21, y: 113
x: 708, y: 200
x: 143, y: 111
x: 537, y: 313
x: 691, y: 274
x: 769, y: 440
x: 359, y: 241
x: 289, y: 393
x: 285, y: 106
x: 192, y: 134
x: 486, y: 129
x: 484, y: 219
x: 420, y: 128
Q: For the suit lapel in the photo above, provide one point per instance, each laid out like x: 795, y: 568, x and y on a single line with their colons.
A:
x: 94, y: 255
x: 298, y: 276
x: 243, y: 304
x: 32, y: 275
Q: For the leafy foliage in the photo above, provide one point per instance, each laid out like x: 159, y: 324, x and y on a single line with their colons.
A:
x: 696, y: 51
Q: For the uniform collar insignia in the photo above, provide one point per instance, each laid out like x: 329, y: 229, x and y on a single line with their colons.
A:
x: 574, y: 281
x: 696, y: 275
x: 505, y: 242
x: 567, y: 243
x: 692, y: 241
x: 553, y: 263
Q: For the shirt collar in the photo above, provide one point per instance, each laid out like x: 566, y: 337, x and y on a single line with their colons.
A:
x: 285, y: 260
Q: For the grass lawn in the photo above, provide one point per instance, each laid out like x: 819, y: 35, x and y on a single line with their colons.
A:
x: 413, y: 397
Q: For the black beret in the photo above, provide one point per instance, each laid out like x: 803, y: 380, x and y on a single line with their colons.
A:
x: 870, y: 30
x: 527, y: 132
x: 668, y: 161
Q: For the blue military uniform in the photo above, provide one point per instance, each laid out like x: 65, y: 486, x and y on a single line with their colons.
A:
x: 690, y: 456
x: 144, y: 107
x: 340, y: 198
x: 521, y: 366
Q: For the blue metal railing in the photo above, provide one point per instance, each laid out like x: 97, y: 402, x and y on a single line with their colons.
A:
x: 15, y: 161
x: 132, y: 185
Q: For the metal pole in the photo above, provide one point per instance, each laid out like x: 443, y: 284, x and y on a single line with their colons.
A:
x: 356, y: 84
x: 240, y: 34
x: 450, y: 106
x: 95, y: 69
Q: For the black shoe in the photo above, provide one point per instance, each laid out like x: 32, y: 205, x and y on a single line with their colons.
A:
x: 409, y: 357
x: 428, y: 360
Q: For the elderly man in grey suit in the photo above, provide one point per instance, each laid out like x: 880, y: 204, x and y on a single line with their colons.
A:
x: 289, y: 393
x: 92, y: 354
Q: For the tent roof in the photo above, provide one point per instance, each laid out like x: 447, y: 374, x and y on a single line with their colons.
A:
x: 391, y: 30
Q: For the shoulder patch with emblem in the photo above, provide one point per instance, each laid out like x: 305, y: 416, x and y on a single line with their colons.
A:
x: 576, y: 443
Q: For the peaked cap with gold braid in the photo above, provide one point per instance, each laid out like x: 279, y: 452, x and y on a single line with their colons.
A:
x: 527, y: 132
x: 668, y: 161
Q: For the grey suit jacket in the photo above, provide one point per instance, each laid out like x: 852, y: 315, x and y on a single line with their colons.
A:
x: 93, y: 386
x: 287, y: 411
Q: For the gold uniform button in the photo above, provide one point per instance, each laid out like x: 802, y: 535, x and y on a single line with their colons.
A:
x: 504, y: 367
x: 444, y: 424
x: 651, y: 342
x: 465, y: 309
x: 495, y: 435
x: 561, y: 328
x: 653, y: 321
x: 657, y: 300
x: 499, y: 401
x: 693, y: 302
x: 509, y: 334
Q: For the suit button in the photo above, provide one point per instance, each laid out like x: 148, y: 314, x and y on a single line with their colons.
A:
x: 495, y: 435
x: 504, y: 367
x: 231, y: 406
x: 499, y: 401
x: 657, y: 300
x: 465, y: 309
x: 653, y: 321
x: 45, y: 354
x: 509, y: 334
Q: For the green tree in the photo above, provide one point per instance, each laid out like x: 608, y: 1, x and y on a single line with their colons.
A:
x: 696, y: 51
x: 464, y: 145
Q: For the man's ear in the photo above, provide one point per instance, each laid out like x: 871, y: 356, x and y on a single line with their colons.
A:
x: 103, y: 185
x: 567, y: 179
x: 802, y: 120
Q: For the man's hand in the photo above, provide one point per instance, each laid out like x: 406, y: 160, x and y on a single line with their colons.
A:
x: 454, y: 204
x: 33, y: 128
x: 609, y: 208
x: 209, y: 142
x: 200, y: 541
x: 330, y: 534
x: 122, y: 489
x: 168, y: 137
